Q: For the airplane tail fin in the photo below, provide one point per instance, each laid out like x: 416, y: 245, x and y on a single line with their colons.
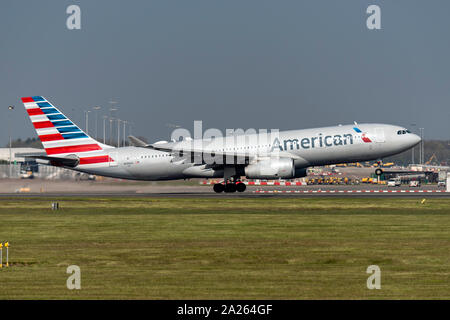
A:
x: 60, y: 136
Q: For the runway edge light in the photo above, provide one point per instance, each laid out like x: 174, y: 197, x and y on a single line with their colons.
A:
x: 7, y: 253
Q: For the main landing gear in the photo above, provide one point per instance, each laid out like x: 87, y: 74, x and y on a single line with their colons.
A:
x: 230, y: 186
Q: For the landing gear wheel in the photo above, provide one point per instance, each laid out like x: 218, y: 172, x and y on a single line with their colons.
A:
x: 378, y: 172
x: 240, y: 187
x: 230, y: 187
x: 218, y: 187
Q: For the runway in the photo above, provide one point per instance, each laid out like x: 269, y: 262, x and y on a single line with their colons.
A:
x: 16, y: 188
x: 269, y: 193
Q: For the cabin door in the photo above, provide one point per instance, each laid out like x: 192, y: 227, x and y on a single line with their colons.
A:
x: 379, y: 135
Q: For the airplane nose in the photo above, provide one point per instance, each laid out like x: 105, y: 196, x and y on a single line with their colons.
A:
x: 415, y: 139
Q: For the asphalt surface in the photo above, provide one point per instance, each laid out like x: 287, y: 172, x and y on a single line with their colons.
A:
x: 250, y: 193
x: 17, y: 188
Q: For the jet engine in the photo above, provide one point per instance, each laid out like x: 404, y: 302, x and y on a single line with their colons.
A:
x: 271, y: 169
x: 300, y: 172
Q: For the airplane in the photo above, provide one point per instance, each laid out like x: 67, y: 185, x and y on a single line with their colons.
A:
x: 284, y: 155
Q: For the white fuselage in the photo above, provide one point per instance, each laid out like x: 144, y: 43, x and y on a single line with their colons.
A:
x: 309, y: 147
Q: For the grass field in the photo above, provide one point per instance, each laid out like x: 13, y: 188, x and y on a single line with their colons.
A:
x: 255, y: 248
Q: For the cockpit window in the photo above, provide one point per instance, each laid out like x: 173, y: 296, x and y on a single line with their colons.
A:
x: 408, y: 131
x: 403, y: 131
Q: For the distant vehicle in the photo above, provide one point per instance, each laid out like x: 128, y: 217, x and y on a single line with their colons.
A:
x: 441, y: 184
x: 83, y: 176
x: 26, y: 174
x: 388, y: 164
x: 433, y: 157
x: 394, y: 183
x: 369, y: 180
x: 414, y: 183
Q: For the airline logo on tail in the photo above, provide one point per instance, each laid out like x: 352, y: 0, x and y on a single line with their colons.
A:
x: 60, y: 136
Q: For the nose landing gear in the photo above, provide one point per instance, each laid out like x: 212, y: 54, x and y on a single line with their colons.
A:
x: 230, y: 186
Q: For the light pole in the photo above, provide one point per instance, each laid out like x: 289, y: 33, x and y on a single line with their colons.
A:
x: 104, y: 129
x: 87, y: 121
x: 124, y: 125
x: 112, y: 111
x: 412, y: 149
x: 422, y: 156
x: 423, y: 145
x: 110, y: 131
x: 96, y: 108
x: 10, y: 142
x: 118, y: 132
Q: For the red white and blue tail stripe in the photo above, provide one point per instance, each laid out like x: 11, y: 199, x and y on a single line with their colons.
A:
x: 60, y: 136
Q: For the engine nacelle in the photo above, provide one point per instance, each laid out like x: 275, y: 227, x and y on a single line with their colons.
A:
x: 271, y: 169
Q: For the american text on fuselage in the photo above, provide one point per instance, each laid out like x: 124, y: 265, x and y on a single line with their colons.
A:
x: 313, y: 142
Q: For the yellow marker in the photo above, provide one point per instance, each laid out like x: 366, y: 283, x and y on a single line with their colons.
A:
x: 1, y: 255
x: 422, y: 202
x: 7, y: 246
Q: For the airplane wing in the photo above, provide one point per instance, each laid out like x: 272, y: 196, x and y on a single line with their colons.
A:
x: 173, y: 148
x: 138, y: 142
x: 183, y: 152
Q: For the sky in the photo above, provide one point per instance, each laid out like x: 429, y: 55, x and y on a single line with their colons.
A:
x: 230, y: 63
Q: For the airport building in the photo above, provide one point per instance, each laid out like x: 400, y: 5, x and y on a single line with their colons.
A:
x: 26, y: 168
x: 14, y: 155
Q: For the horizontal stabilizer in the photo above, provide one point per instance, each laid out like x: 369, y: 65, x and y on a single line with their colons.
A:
x: 56, y: 161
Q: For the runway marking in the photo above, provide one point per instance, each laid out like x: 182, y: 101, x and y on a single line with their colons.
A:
x: 348, y: 191
x: 260, y: 183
